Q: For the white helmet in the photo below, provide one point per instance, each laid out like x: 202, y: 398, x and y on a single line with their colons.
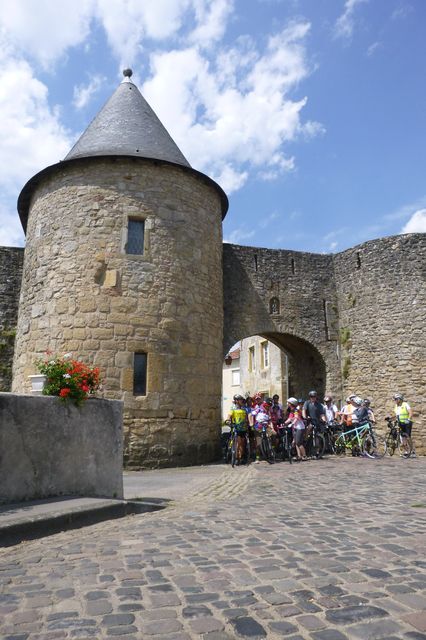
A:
x: 293, y: 401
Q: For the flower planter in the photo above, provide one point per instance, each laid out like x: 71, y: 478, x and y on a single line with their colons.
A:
x: 37, y: 383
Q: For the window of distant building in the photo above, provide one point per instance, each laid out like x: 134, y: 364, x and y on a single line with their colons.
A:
x: 235, y: 377
x: 139, y: 374
x: 265, y: 354
x: 135, y: 236
x: 251, y: 359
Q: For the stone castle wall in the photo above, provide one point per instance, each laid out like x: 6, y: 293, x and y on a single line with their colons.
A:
x: 381, y: 296
x: 352, y: 322
x: 11, y: 261
x: 82, y: 294
x: 303, y: 321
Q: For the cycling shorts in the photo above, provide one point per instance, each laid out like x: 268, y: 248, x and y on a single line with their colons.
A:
x: 299, y: 436
x: 406, y: 428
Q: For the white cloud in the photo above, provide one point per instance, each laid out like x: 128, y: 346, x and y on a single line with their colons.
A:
x: 44, y: 29
x: 211, y: 19
x: 83, y: 93
x: 417, y: 223
x: 11, y: 233
x: 238, y: 235
x: 373, y: 48
x: 345, y: 24
x: 230, y: 109
x: 402, y: 11
x: 234, y: 123
x: 406, y: 210
x: 31, y: 135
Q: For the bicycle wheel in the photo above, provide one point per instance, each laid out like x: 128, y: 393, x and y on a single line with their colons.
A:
x: 407, y: 448
x: 339, y: 446
x: 266, y: 448
x: 227, y: 456
x: 247, y: 452
x: 288, y: 443
x: 392, y: 444
x: 234, y: 451
x: 374, y: 446
x: 318, y: 445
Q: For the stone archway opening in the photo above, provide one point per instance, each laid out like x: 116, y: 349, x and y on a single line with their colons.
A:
x: 272, y: 363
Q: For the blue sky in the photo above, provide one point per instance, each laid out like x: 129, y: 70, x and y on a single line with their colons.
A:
x: 311, y: 114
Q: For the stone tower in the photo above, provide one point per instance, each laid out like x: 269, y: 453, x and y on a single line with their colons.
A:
x: 123, y: 268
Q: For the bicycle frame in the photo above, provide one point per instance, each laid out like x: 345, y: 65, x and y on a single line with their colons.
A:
x: 358, y: 432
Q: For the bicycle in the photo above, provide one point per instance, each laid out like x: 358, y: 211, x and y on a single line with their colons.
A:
x: 266, y: 446
x: 315, y: 443
x: 285, y: 442
x: 232, y: 447
x: 360, y: 440
x: 395, y: 441
x: 331, y: 431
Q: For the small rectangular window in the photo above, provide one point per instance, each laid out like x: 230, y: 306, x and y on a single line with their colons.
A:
x: 235, y: 377
x: 265, y: 355
x: 135, y: 236
x: 252, y: 359
x: 139, y: 374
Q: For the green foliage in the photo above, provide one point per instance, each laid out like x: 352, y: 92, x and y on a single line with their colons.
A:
x: 345, y: 335
x: 351, y: 300
x: 7, y: 337
x: 67, y: 378
x: 346, y: 367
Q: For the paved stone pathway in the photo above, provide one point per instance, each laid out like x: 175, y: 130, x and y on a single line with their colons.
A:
x: 321, y: 550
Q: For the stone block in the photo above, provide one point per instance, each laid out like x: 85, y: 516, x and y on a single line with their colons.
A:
x: 59, y: 449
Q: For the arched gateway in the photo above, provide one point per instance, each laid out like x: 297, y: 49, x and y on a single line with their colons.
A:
x: 124, y: 265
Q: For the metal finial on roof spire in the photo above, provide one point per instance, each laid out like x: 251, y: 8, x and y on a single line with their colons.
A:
x: 127, y: 73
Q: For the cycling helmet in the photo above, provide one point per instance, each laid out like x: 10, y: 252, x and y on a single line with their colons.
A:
x: 312, y: 394
x: 328, y: 398
x: 268, y: 401
x: 293, y: 401
x: 239, y: 398
x: 357, y: 401
x: 398, y: 396
x: 367, y: 401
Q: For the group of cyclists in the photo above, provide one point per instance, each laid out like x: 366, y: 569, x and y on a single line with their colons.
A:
x: 251, y: 418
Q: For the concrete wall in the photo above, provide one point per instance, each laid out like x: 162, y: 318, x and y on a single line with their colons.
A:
x: 11, y: 261
x: 48, y: 448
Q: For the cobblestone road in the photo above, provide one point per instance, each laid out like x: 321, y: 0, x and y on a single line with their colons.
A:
x: 325, y: 550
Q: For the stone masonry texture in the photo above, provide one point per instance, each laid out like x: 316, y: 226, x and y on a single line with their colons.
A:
x: 303, y: 283
x: 11, y: 261
x: 349, y: 322
x: 381, y: 293
x: 82, y: 293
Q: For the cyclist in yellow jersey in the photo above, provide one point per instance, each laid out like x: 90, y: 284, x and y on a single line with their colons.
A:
x: 404, y: 415
x: 238, y: 418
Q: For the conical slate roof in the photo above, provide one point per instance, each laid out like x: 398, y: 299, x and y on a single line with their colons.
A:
x: 127, y: 126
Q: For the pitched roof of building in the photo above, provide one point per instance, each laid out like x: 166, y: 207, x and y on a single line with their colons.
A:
x: 127, y: 126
